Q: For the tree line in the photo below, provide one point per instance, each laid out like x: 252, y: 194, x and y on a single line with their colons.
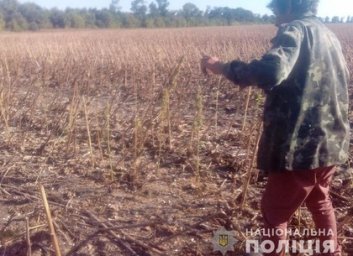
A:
x: 16, y: 16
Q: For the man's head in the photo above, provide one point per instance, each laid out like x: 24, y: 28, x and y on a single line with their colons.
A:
x: 287, y: 10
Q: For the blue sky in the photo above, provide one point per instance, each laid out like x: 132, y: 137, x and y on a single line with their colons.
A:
x: 327, y: 7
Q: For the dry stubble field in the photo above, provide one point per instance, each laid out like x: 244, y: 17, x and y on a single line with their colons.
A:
x: 139, y: 153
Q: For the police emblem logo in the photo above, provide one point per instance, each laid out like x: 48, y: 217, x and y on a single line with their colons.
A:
x: 223, y: 241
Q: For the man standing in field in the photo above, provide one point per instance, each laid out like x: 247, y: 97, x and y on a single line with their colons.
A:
x: 306, y: 128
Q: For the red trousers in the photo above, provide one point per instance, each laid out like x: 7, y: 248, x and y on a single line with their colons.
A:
x: 287, y: 191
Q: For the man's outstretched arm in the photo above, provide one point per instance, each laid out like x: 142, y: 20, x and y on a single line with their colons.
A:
x: 271, y: 70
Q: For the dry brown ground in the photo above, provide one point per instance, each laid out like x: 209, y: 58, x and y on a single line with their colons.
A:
x: 137, y: 155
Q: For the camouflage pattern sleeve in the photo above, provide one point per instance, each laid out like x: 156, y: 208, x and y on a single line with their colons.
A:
x: 275, y: 66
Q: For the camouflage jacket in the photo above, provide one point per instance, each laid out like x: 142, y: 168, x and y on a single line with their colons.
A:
x: 305, y: 78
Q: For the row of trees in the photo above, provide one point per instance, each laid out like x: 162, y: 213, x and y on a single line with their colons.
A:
x: 17, y: 16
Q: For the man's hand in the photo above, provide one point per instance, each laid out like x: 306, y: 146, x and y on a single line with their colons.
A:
x: 213, y: 65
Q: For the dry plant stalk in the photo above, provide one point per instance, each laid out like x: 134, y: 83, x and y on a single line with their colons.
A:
x: 164, y: 120
x: 198, y: 122
x: 137, y: 147
x: 50, y: 222
x: 217, y: 106
x: 28, y: 238
x: 247, y: 155
x: 165, y: 114
x: 251, y: 167
x: 88, y: 131
x: 3, y: 109
x: 107, y: 135
x: 246, y: 108
x: 72, y: 117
